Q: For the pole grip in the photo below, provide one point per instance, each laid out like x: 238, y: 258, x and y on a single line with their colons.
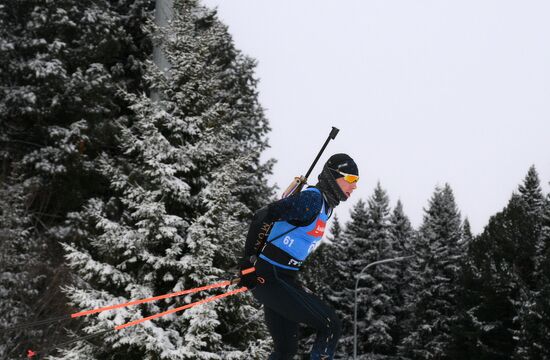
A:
x: 333, y: 133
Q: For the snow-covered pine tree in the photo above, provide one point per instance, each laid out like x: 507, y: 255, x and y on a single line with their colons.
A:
x: 182, y: 194
x: 20, y: 274
x: 530, y: 193
x: 401, y: 230
x: 467, y: 236
x: 532, y: 339
x: 335, y: 230
x: 377, y: 303
x: 336, y: 272
x: 492, y: 288
x: 434, y: 283
x: 543, y: 245
x: 539, y: 331
x: 62, y: 65
x: 403, y: 236
x: 463, y: 343
x: 348, y: 265
x: 19, y: 280
x: 499, y: 315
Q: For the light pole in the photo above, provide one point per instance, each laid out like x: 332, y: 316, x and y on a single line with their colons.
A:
x: 355, y: 305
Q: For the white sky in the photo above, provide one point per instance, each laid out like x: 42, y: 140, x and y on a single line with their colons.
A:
x: 423, y: 92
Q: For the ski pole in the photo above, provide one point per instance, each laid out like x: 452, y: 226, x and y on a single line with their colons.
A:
x: 155, y: 298
x: 188, y: 306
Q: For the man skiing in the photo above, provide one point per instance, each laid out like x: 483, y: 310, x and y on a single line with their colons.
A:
x: 271, y: 273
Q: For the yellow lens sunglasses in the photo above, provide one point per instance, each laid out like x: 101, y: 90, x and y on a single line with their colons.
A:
x: 348, y: 177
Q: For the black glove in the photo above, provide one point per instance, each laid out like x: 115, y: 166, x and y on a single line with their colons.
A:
x: 247, y: 274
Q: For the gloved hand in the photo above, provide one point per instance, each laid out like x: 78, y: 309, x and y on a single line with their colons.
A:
x: 247, y: 274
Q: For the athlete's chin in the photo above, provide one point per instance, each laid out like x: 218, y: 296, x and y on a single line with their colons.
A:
x: 348, y: 194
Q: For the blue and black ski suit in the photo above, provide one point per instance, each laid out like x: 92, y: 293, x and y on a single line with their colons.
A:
x: 299, y: 224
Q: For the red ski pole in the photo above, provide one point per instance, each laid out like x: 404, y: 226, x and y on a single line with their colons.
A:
x: 155, y: 298
x: 188, y: 306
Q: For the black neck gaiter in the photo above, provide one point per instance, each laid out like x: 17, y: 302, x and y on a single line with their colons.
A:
x: 328, y: 186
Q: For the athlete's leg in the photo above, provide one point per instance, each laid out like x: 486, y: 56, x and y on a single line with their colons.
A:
x: 289, y: 300
x: 328, y: 329
x: 284, y: 333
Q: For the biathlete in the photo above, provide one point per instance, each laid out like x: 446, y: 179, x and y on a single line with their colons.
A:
x: 299, y: 222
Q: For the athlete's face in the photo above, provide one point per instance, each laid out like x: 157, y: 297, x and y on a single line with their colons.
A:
x: 346, y: 187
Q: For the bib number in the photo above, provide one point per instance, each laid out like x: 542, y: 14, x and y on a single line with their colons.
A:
x: 288, y: 241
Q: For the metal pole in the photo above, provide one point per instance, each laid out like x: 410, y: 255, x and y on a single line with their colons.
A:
x: 356, y: 286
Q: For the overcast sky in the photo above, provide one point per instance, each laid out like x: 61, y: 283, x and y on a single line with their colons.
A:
x: 423, y: 92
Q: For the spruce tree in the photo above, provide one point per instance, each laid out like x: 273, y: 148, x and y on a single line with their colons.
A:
x: 435, y: 272
x: 337, y: 271
x: 181, y: 195
x: 341, y: 277
x: 403, y: 236
x: 377, y: 301
x: 539, y: 328
x: 490, y: 290
x: 467, y: 236
x: 526, y: 244
x: 463, y: 344
x: 501, y: 314
x: 532, y: 333
x: 531, y: 192
x: 20, y: 272
x: 350, y: 261
x: 335, y: 230
x: 62, y: 67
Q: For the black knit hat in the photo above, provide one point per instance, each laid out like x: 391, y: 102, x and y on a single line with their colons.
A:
x: 327, y: 178
x: 343, y: 163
